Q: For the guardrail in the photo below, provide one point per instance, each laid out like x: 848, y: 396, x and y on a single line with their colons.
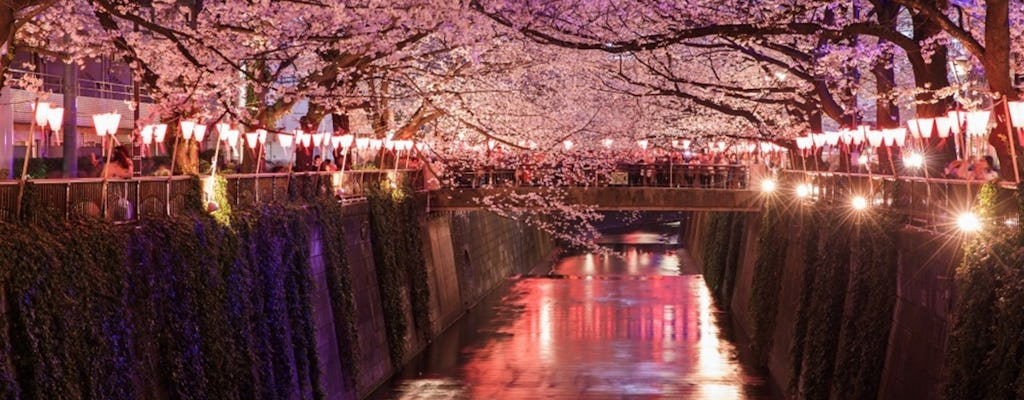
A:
x: 923, y: 201
x: 633, y: 175
x: 132, y: 200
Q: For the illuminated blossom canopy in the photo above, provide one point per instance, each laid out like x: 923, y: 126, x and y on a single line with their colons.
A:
x: 532, y: 73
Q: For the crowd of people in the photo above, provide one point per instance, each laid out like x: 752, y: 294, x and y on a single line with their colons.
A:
x: 974, y: 168
x: 655, y: 167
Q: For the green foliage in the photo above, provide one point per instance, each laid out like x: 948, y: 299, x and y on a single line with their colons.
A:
x: 986, y: 345
x: 185, y: 308
x: 869, y: 307
x: 806, y: 229
x: 339, y: 286
x: 772, y: 242
x: 721, y: 250
x: 825, y: 310
x: 401, y: 269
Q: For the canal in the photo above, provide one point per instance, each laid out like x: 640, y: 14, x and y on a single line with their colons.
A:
x: 637, y: 324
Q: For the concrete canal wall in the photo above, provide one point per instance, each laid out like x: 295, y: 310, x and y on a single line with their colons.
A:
x: 467, y: 254
x: 911, y: 330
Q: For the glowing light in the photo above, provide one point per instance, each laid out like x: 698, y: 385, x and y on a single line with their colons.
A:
x: 642, y: 143
x: 819, y: 139
x: 160, y: 132
x: 803, y: 190
x: 147, y: 134
x: 285, y: 141
x: 768, y: 185
x: 251, y: 138
x: 1017, y: 113
x: 859, y: 203
x: 968, y: 222
x: 914, y: 160
x: 863, y: 159
x: 956, y: 120
x: 977, y: 122
x: 42, y: 112
x: 188, y: 126
x: 568, y: 145
x: 199, y: 132
x: 608, y: 143
x: 874, y: 137
x: 54, y: 117
x: 943, y: 126
x: 345, y: 141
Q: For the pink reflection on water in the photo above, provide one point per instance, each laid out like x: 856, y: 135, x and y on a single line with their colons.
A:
x: 578, y: 338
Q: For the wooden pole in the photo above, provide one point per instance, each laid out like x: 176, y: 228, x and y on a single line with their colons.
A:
x: 24, y: 164
x: 1009, y: 138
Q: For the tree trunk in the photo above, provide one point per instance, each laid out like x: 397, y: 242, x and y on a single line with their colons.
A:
x: 997, y: 73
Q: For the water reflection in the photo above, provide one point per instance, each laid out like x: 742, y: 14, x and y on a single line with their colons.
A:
x: 607, y: 327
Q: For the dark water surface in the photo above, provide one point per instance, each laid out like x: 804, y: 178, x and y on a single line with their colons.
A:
x: 638, y: 326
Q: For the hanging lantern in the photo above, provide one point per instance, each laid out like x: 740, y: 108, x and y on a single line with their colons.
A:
x: 721, y: 146
x: 818, y: 139
x: 915, y: 129
x: 223, y: 128
x: 900, y: 136
x: 1017, y: 113
x: 261, y: 135
x: 925, y: 127
x: 345, y: 141
x: 251, y: 138
x: 233, y: 136
x: 199, y: 132
x: 318, y: 139
x: 860, y: 134
x: 874, y: 137
x: 956, y: 120
x: 608, y: 143
x: 362, y: 143
x: 977, y: 122
x: 943, y: 126
x: 376, y: 144
x: 147, y: 134
x: 159, y: 132
x: 642, y: 143
x: 54, y: 117
x: 687, y: 143
x: 285, y: 140
x: 832, y: 138
x: 187, y: 127
x: 42, y: 112
x: 567, y: 144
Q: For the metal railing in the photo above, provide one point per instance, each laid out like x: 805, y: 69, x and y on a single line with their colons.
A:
x: 86, y: 87
x: 632, y: 175
x: 923, y: 201
x: 136, y: 199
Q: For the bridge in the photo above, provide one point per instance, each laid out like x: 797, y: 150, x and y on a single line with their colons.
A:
x: 607, y: 198
x: 922, y: 201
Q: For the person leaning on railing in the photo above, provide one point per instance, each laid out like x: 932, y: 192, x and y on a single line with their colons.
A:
x: 120, y: 165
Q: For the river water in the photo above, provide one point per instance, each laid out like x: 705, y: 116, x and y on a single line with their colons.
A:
x: 638, y: 325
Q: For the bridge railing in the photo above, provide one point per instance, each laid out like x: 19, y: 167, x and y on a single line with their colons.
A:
x: 132, y: 200
x: 924, y: 201
x: 631, y: 175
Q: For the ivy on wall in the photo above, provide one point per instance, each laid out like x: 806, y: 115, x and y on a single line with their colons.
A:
x: 401, y: 268
x: 825, y: 311
x: 870, y: 302
x: 772, y: 242
x: 185, y: 308
x: 807, y: 223
x: 986, y: 348
x: 720, y: 253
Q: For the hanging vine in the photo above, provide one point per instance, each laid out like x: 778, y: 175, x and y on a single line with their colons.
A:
x: 401, y: 269
x: 772, y: 243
